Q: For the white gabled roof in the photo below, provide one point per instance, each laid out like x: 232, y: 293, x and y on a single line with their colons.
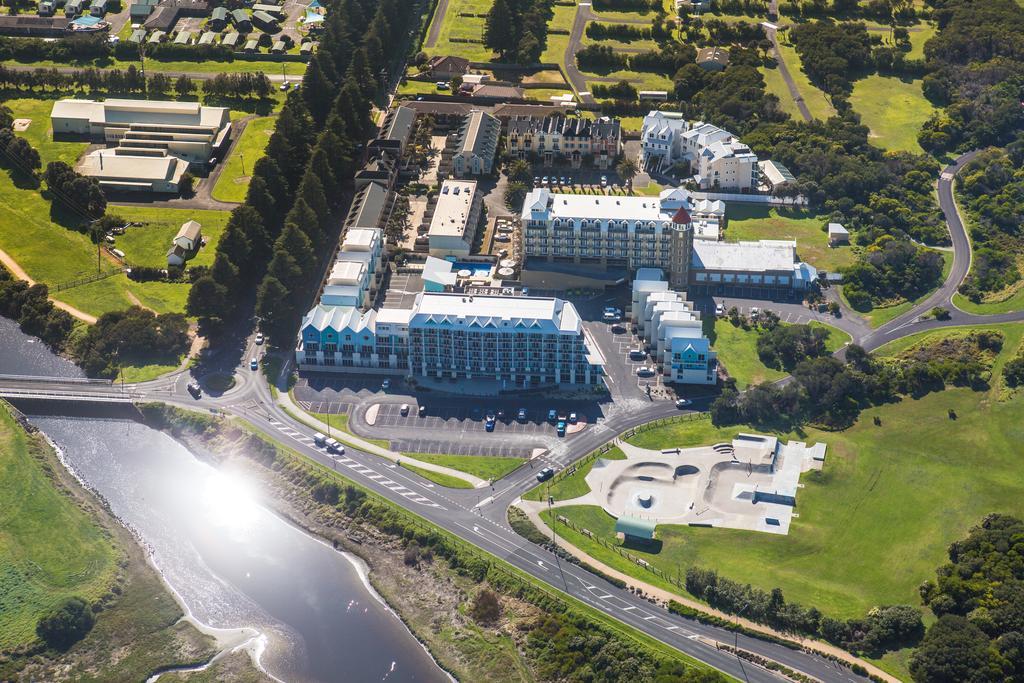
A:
x: 519, y: 313
x: 339, y: 318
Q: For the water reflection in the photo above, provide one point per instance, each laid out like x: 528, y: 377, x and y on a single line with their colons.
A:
x: 236, y: 564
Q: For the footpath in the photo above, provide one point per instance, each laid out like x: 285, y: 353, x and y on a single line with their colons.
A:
x: 533, y: 510
x: 284, y: 400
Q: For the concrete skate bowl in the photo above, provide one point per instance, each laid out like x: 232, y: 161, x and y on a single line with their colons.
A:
x: 722, y: 477
x: 657, y: 489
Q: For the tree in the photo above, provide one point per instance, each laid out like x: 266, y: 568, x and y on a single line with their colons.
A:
x: 520, y: 171
x: 66, y: 625
x: 498, y: 33
x: 953, y: 649
x: 208, y: 301
x: 184, y: 86
x: 271, y: 302
x: 187, y: 184
x: 23, y: 156
x: 515, y: 194
x: 486, y: 608
x: 627, y: 170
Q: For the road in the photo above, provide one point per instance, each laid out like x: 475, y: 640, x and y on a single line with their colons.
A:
x: 478, y: 516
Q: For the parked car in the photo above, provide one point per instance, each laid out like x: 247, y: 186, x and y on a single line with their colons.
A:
x: 644, y: 371
x: 521, y: 415
x: 612, y: 309
x: 754, y: 312
x: 404, y: 410
x: 195, y: 390
x: 683, y: 402
x: 385, y: 385
x: 604, y: 181
x: 560, y: 428
x: 610, y: 317
x: 573, y: 418
x: 720, y: 310
x: 441, y: 85
x: 253, y: 364
x: 259, y: 338
x: 489, y: 425
x: 319, y: 439
x: 552, y: 415
x: 423, y: 411
x: 637, y: 354
x: 545, y: 474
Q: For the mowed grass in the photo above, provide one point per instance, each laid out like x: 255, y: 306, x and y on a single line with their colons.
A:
x: 776, y: 85
x: 737, y: 350
x: 439, y: 478
x: 750, y: 222
x: 562, y: 20
x: 878, y: 519
x: 39, y: 131
x: 1014, y: 302
x: 894, y: 109
x: 50, y: 549
x: 815, y: 99
x: 573, y: 485
x: 460, y: 27
x: 233, y: 182
x: 484, y: 466
x: 147, y: 244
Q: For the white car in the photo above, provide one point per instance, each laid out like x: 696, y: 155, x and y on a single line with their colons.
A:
x: 404, y: 410
x: 259, y: 338
x: 720, y: 310
x: 385, y: 385
x: 683, y: 402
x: 644, y: 371
x: 754, y: 311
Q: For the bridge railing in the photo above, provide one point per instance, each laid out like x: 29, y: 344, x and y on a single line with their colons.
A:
x: 55, y: 380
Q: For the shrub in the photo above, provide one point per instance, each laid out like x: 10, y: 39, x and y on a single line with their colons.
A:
x: 486, y: 607
x: 66, y: 625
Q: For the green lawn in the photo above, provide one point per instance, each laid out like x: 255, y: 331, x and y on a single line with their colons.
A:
x: 1014, y: 302
x: 458, y: 27
x: 776, y: 85
x: 439, y: 478
x: 737, y: 350
x: 233, y: 182
x: 573, y: 485
x: 39, y: 131
x: 877, y: 520
x: 641, y: 80
x: 484, y: 466
x: 815, y: 99
x: 751, y: 222
x: 147, y: 244
x: 554, y: 49
x: 50, y: 549
x: 638, y: 44
x: 894, y: 109
x: 338, y: 422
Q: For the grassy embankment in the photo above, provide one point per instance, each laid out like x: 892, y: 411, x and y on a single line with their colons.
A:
x: 154, y: 65
x: 879, y: 315
x: 233, y: 182
x: 57, y: 542
x: 877, y: 520
x: 894, y: 109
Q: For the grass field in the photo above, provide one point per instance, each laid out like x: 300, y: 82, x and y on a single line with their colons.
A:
x: 459, y: 27
x: 815, y: 99
x: 894, y: 109
x: 1014, y: 302
x: 749, y: 222
x: 737, y: 351
x: 554, y: 50
x: 147, y: 244
x: 50, y: 549
x: 233, y: 182
x: 572, y: 486
x: 483, y: 466
x: 878, y: 519
x: 776, y: 85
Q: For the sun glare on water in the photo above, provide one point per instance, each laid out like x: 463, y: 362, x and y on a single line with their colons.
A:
x: 230, y: 502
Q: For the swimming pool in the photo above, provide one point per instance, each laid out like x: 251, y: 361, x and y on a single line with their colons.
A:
x: 479, y: 270
x: 87, y: 21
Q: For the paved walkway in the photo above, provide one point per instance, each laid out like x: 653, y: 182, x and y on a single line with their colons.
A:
x: 19, y: 272
x: 435, y: 25
x: 533, y: 509
x: 794, y: 92
x: 284, y: 400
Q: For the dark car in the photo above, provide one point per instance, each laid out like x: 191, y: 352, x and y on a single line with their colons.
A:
x: 195, y: 390
x: 545, y: 474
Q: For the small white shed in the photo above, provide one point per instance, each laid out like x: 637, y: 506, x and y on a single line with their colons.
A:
x: 837, y: 234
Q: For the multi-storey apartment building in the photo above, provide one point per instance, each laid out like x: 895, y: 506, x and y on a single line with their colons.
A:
x: 456, y: 216
x: 631, y: 232
x: 672, y: 330
x: 560, y: 139
x: 717, y: 159
x: 519, y: 341
x: 475, y: 145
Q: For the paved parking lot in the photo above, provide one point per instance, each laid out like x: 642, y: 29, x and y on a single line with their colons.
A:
x: 463, y: 418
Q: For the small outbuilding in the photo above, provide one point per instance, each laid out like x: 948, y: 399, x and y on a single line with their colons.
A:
x: 219, y: 19
x: 231, y: 40
x: 183, y: 38
x: 208, y: 38
x: 72, y: 8
x: 186, y: 243
x: 241, y: 21
x: 837, y: 234
x: 634, y: 528
x: 156, y: 37
x: 137, y: 36
x: 140, y: 10
x: 264, y: 21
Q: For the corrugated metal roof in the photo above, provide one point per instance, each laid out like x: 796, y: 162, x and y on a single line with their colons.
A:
x: 634, y: 526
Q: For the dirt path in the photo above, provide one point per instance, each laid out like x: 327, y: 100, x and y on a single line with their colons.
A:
x: 138, y: 302
x: 17, y: 271
x: 773, y: 35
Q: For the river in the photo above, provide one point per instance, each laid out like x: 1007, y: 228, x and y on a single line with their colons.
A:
x: 231, y: 560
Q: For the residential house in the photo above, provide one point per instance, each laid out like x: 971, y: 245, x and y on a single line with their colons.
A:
x: 445, y: 68
x: 476, y: 144
x: 185, y: 243
x: 713, y: 58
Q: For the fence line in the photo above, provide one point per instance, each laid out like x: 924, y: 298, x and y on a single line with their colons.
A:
x: 70, y: 284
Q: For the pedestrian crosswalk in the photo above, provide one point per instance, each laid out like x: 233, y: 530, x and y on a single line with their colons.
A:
x: 359, y: 468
